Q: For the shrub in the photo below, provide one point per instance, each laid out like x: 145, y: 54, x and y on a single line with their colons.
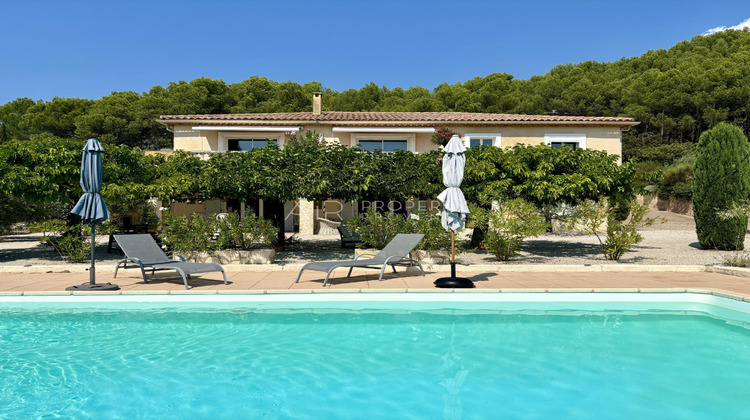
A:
x: 182, y: 234
x: 646, y: 173
x: 435, y: 235
x: 185, y: 234
x: 737, y: 260
x: 677, y: 180
x: 721, y: 180
x: 234, y: 233
x: 621, y: 235
x: 69, y: 240
x: 377, y: 229
x: 663, y: 153
x: 442, y: 136
x: 509, y: 225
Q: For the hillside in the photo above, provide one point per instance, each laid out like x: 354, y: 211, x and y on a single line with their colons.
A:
x: 675, y: 93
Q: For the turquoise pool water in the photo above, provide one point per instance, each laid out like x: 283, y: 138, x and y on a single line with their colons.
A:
x: 372, y: 360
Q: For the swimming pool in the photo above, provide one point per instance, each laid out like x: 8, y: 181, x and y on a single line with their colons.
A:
x: 413, y: 355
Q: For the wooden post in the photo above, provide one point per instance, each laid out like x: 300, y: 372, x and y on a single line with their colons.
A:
x: 453, y: 246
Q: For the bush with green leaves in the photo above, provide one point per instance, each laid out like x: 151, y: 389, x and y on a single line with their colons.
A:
x: 436, y: 237
x: 183, y: 234
x: 646, y: 173
x: 247, y: 233
x: 378, y: 229
x: 70, y: 241
x: 442, y: 136
x: 663, y: 153
x: 721, y: 181
x: 677, y: 180
x: 508, y: 225
x: 615, y: 236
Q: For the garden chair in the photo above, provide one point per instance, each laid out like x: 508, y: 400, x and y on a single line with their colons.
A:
x: 397, y: 252
x: 348, y: 237
x: 142, y: 251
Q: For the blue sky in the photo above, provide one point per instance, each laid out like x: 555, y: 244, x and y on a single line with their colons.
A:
x: 88, y: 49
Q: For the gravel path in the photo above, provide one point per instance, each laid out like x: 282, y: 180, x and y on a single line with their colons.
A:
x: 672, y: 242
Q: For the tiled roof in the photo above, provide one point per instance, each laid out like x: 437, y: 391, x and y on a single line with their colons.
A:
x: 405, y: 118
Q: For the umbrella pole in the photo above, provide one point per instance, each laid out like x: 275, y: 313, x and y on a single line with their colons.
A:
x: 454, y: 281
x: 453, y: 253
x: 92, y: 270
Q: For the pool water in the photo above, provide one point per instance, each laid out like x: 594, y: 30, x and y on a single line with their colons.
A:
x: 254, y: 361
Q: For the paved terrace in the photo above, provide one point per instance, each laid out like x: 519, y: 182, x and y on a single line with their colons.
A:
x: 722, y: 281
x: 697, y: 272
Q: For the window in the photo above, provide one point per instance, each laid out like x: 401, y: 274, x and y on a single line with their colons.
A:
x: 384, y: 145
x: 574, y: 141
x: 571, y: 144
x: 384, y: 142
x: 482, y: 139
x: 245, y: 142
x: 246, y: 145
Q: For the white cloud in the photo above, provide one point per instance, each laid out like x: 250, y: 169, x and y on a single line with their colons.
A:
x: 743, y: 25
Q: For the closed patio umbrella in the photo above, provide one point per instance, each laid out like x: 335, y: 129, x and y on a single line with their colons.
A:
x: 91, y: 206
x: 455, y: 209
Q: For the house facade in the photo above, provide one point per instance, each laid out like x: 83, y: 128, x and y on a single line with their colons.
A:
x: 387, y: 131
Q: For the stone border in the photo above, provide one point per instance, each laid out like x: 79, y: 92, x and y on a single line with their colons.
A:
x: 714, y: 292
x: 241, y: 268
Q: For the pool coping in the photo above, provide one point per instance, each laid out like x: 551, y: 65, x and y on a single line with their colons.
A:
x: 241, y: 268
x: 704, y: 291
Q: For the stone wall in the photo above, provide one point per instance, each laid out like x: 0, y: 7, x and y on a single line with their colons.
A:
x: 674, y: 205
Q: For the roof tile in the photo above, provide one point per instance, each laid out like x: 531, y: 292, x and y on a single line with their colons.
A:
x: 391, y: 117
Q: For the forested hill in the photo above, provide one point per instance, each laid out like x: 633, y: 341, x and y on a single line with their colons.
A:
x: 675, y: 93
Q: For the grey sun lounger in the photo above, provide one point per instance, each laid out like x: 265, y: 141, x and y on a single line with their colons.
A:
x: 143, y: 251
x: 397, y: 252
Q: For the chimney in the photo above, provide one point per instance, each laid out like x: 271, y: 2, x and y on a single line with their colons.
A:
x: 316, y: 102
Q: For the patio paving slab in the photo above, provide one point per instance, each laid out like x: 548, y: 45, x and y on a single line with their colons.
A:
x: 260, y: 282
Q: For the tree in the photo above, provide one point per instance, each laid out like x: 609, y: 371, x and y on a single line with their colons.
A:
x: 721, y: 181
x: 543, y: 175
x: 10, y: 119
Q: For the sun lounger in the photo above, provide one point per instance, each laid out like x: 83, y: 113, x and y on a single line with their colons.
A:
x: 397, y: 252
x: 142, y: 251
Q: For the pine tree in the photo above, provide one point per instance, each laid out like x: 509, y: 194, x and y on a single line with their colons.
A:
x: 721, y: 180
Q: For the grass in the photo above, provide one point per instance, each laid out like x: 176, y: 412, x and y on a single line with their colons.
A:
x: 737, y: 260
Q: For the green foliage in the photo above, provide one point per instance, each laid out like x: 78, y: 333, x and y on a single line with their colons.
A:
x: 508, y: 225
x: 186, y: 234
x: 598, y: 218
x: 665, y: 154
x: 721, y: 181
x: 647, y: 173
x: 377, y: 229
x: 543, y: 175
x: 244, y: 234
x: 70, y: 241
x: 677, y: 180
x: 675, y: 94
x: 183, y: 234
x: 435, y: 236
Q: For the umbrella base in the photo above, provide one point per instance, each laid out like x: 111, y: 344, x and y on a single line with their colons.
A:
x: 88, y: 287
x: 454, y: 282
